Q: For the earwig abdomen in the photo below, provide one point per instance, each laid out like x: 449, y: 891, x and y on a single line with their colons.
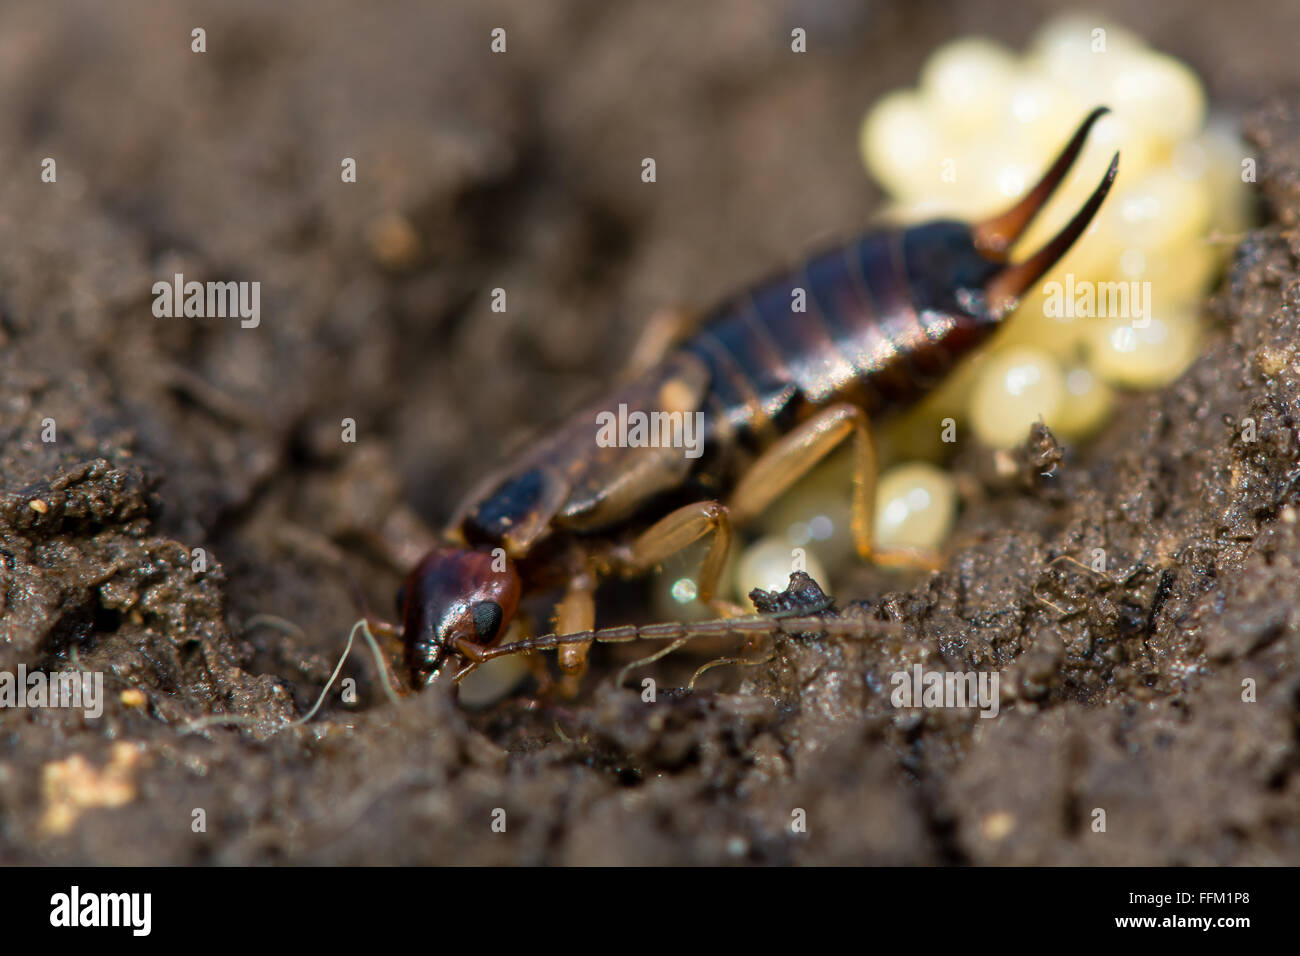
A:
x: 879, y: 328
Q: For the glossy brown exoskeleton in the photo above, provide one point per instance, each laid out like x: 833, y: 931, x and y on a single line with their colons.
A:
x: 773, y: 389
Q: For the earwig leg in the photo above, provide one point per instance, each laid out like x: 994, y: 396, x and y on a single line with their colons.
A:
x: 575, y: 612
x: 724, y: 661
x: 465, y: 671
x: 522, y: 630
x: 684, y: 527
x: 541, y: 673
x: 665, y: 328
x: 1077, y: 563
x: 678, y: 644
x: 782, y: 465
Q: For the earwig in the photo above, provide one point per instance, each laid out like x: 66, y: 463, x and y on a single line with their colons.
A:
x: 776, y: 389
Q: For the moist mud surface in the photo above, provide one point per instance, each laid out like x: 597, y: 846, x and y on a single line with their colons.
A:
x: 1120, y: 691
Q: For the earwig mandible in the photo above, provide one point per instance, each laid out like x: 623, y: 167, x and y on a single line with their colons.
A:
x: 889, y: 316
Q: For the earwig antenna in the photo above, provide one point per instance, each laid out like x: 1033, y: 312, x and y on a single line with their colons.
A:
x: 725, y: 661
x: 385, y: 677
x: 338, y: 668
x: 234, y: 720
x: 621, y: 679
x: 680, y: 633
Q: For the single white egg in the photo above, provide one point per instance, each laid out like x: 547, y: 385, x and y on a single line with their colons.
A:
x: 1144, y: 355
x: 1159, y: 211
x: 1016, y: 387
x: 901, y: 145
x: 1229, y: 170
x: 1078, y: 49
x: 1157, y: 92
x: 915, y: 506
x: 1087, y: 404
x: 1040, y: 112
x: 1177, y: 276
x: 965, y: 82
x: 1042, y: 321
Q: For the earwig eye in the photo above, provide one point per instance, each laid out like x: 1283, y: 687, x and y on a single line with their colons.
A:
x: 487, y: 619
x: 401, y: 600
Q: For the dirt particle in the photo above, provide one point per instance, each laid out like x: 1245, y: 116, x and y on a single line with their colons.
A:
x: 997, y: 826
x: 394, y: 242
x: 70, y: 787
x: 134, y: 698
x: 1271, y: 361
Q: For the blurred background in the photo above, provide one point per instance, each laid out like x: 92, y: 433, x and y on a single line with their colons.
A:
x: 474, y: 171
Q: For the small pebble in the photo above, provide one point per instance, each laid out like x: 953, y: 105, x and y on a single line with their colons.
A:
x: 767, y: 564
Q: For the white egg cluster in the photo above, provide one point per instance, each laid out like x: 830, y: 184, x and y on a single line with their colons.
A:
x: 1121, y: 310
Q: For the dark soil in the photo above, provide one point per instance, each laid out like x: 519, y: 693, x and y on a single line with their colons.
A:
x: 1122, y: 692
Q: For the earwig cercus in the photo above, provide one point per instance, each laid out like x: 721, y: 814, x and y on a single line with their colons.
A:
x: 776, y: 390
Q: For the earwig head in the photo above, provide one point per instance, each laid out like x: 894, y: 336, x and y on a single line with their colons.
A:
x: 455, y: 594
x: 963, y: 270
